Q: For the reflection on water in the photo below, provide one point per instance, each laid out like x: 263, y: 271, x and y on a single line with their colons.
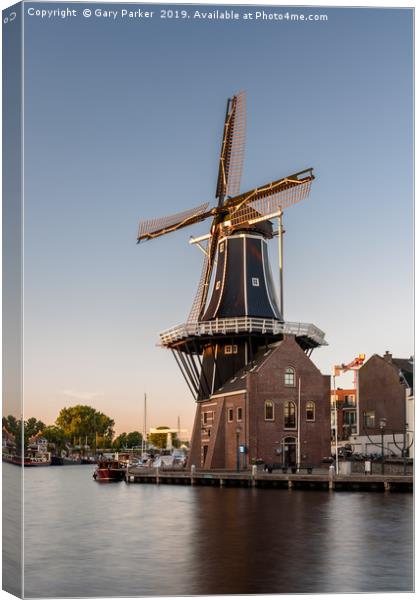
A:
x: 89, y: 539
x: 12, y: 529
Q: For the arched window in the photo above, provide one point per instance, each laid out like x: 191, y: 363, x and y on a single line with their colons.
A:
x: 310, y: 411
x: 290, y: 377
x: 269, y: 410
x: 290, y: 415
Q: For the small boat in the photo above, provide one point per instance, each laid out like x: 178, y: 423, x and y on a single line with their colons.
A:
x: 28, y: 461
x: 108, y: 470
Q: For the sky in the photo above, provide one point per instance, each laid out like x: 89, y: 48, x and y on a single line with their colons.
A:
x: 123, y: 121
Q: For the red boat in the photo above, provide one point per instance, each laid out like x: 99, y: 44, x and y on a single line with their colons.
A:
x: 108, y: 470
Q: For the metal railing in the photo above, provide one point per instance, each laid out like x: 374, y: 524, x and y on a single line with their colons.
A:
x: 242, y: 325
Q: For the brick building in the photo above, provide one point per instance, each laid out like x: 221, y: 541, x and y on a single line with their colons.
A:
x: 346, y: 413
x: 277, y: 409
x: 385, y: 388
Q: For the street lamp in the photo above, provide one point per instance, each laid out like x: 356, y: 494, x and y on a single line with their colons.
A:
x: 238, y: 457
x: 382, y: 425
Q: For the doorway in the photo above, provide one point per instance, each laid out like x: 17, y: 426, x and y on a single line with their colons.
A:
x: 289, y: 452
x: 205, y: 450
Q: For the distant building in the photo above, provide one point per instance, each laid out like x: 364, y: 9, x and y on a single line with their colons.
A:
x: 346, y: 413
x: 8, y: 439
x: 277, y: 410
x: 38, y: 443
x: 385, y: 403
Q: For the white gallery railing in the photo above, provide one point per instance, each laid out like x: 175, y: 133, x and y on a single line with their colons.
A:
x: 242, y: 325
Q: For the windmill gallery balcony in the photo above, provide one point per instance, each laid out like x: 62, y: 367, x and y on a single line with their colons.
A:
x: 202, y: 329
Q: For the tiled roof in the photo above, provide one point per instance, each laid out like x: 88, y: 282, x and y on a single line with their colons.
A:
x: 406, y: 364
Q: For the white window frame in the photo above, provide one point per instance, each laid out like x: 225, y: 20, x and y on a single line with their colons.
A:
x: 256, y: 281
x: 288, y: 371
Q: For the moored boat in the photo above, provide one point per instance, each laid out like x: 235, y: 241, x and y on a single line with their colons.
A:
x: 28, y: 461
x: 108, y: 470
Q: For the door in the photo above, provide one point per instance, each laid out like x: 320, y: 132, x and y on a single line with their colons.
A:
x: 205, y: 450
x: 289, y: 452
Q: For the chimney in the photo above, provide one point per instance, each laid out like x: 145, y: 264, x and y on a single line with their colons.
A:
x: 388, y: 356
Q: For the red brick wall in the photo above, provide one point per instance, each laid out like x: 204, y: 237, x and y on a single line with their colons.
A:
x: 380, y: 391
x: 262, y: 437
x: 268, y: 384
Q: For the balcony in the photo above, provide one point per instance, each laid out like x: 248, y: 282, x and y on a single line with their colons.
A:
x: 242, y: 325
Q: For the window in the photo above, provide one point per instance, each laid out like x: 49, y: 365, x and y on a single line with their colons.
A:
x: 350, y: 417
x: 231, y: 349
x: 350, y: 400
x: 217, y: 285
x: 369, y: 418
x: 310, y: 411
x: 239, y: 414
x: 290, y: 377
x: 221, y: 247
x: 208, y: 417
x: 269, y: 411
x: 290, y: 415
x: 230, y: 415
x: 256, y: 281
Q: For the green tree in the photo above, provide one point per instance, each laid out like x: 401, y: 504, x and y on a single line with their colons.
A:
x: 82, y: 422
x: 55, y: 436
x: 128, y: 440
x: 11, y: 424
x: 159, y: 439
x: 120, y: 441
x: 33, y: 426
x: 22, y: 430
x: 134, y: 439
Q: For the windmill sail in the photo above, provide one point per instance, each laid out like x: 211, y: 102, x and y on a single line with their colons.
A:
x: 156, y: 227
x: 204, y: 283
x: 266, y: 201
x: 233, y: 148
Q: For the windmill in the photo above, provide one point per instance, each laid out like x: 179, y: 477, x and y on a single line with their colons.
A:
x: 235, y: 312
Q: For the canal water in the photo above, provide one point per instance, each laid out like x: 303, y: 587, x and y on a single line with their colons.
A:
x: 84, y: 538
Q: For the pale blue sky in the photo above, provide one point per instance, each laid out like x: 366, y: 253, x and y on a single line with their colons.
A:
x: 123, y: 122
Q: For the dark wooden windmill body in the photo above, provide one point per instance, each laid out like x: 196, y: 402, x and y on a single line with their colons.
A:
x: 235, y: 314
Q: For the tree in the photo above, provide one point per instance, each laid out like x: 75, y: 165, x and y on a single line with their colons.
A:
x: 83, y: 422
x: 33, y: 426
x: 134, y: 439
x: 159, y: 439
x: 22, y: 430
x: 120, y: 441
x: 128, y: 440
x: 56, y: 436
x: 10, y: 423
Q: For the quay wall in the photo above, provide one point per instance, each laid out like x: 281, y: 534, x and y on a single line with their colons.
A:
x: 391, y: 468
